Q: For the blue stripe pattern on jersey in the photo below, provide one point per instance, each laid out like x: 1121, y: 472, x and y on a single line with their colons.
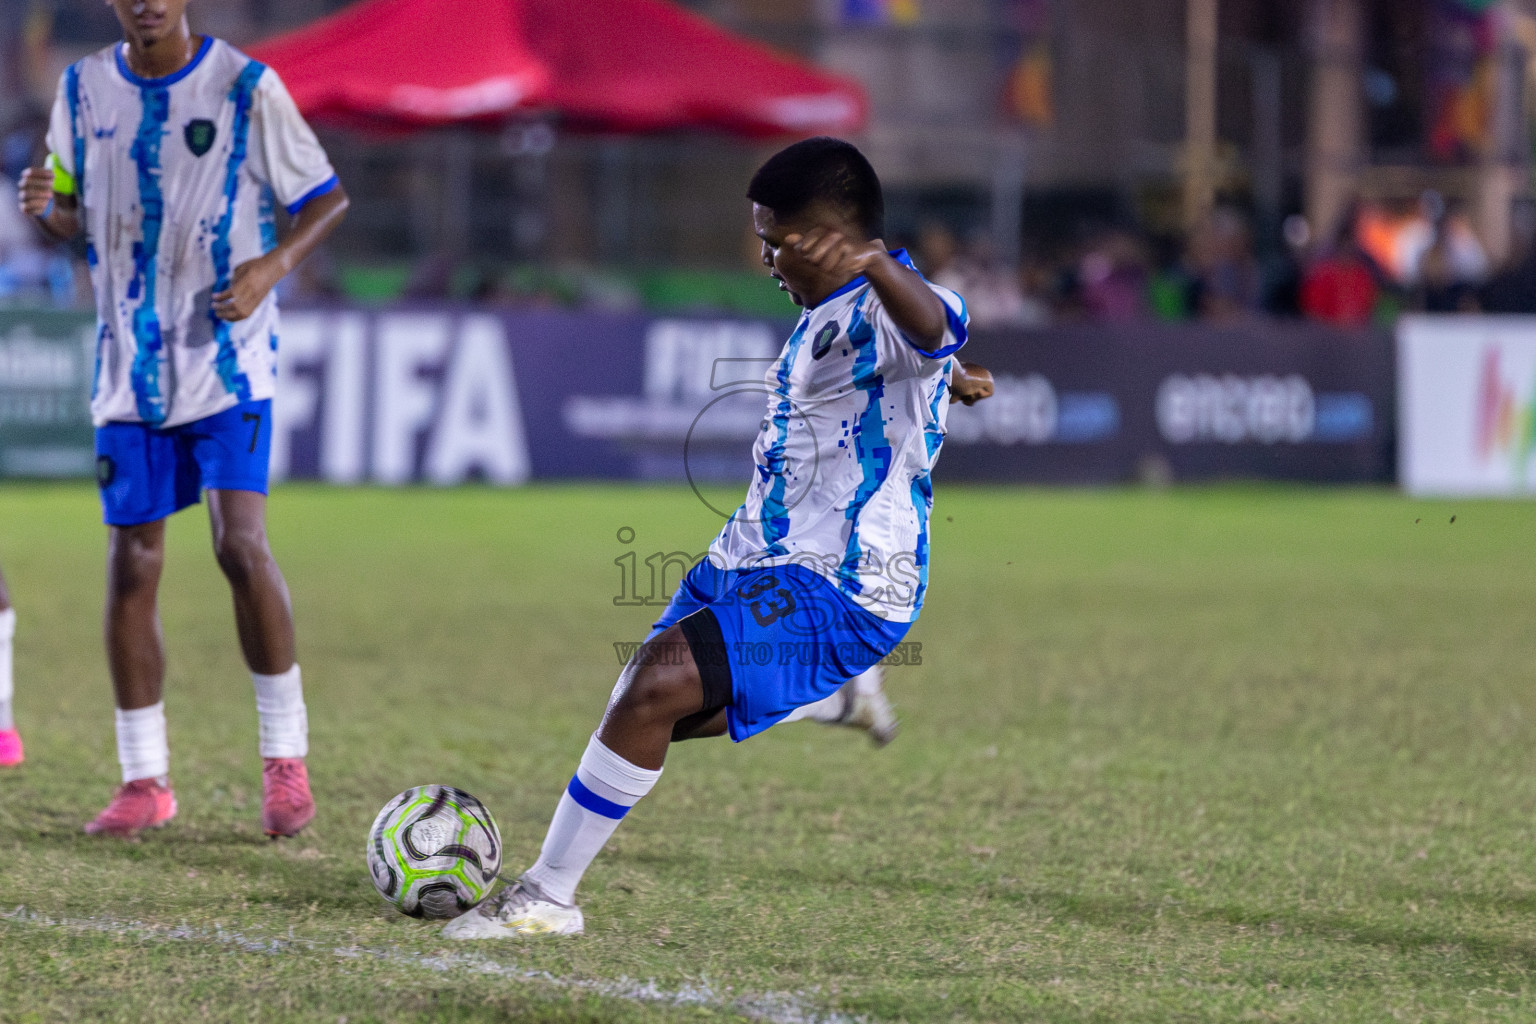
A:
x: 933, y: 436
x: 775, y: 515
x: 145, y: 373
x: 227, y: 359
x: 77, y: 136
x: 869, y: 440
x: 267, y: 215
x: 594, y: 803
x: 922, y: 484
x: 922, y: 504
x: 77, y: 149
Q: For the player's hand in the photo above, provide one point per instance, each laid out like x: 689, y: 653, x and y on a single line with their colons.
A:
x: 832, y: 252
x: 34, y: 191
x: 970, y: 383
x: 248, y: 285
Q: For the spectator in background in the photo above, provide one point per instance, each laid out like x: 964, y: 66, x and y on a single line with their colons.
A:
x: 937, y: 248
x: 31, y: 268
x: 1281, y: 268
x: 1439, y: 242
x: 1513, y: 289
x: 994, y: 295
x: 1112, y: 277
x: 1453, y: 265
x: 1224, y: 275
x: 1341, y: 286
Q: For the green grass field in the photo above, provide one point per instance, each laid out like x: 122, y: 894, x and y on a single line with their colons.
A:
x: 1207, y: 755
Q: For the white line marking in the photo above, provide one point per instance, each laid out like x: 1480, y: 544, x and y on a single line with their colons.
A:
x: 769, y: 1007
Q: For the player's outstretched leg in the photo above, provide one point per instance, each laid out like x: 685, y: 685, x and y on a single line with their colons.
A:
x: 657, y: 693
x: 264, y: 620
x: 860, y: 703
x: 136, y: 657
x: 11, y: 753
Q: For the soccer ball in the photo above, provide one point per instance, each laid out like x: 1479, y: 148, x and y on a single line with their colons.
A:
x: 434, y: 851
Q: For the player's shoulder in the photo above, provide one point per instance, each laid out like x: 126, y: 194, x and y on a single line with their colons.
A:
x: 227, y: 62
x: 949, y: 296
x: 96, y: 64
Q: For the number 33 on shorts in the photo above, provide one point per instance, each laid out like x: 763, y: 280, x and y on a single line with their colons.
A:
x: 768, y: 600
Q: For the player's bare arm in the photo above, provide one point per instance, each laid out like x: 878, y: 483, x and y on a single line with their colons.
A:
x: 56, y: 214
x: 970, y: 383
x: 252, y: 280
x: 912, y: 305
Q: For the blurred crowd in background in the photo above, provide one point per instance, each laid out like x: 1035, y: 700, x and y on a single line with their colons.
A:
x: 1383, y: 260
x: 1343, y: 161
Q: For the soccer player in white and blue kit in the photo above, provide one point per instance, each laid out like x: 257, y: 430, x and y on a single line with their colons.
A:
x: 169, y: 152
x: 823, y: 569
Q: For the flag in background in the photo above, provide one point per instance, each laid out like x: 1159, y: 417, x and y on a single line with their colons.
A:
x: 1461, y: 73
x: 1025, y: 55
x: 880, y: 12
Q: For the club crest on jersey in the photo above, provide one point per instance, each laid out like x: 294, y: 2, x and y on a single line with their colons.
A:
x: 823, y: 341
x: 199, y: 135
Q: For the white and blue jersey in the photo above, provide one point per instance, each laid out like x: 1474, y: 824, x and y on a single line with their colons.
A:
x: 176, y: 178
x: 854, y: 425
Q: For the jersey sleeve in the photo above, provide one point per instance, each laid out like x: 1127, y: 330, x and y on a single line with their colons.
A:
x: 294, y: 163
x: 898, y: 348
x: 61, y: 140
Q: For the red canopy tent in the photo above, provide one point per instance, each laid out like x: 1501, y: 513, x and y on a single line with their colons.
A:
x: 614, y: 65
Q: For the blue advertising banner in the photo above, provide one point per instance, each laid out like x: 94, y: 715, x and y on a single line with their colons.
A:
x: 447, y: 394
x: 1105, y: 404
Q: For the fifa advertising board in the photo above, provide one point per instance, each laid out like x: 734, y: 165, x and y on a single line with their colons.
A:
x: 444, y: 394
x: 46, y: 359
x: 1467, y: 405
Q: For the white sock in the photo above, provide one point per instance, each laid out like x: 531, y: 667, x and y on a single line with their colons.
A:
x: 7, y: 686
x: 832, y: 709
x: 601, y: 792
x: 284, y: 721
x: 869, y: 681
x: 142, y: 747
x: 828, y: 709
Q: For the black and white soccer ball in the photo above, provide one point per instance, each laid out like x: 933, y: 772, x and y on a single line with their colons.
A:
x: 434, y: 852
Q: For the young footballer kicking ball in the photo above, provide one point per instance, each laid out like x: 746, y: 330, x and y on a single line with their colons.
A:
x: 826, y: 563
x: 168, y: 150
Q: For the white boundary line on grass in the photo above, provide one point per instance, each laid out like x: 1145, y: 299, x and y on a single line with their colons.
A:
x: 770, y: 1007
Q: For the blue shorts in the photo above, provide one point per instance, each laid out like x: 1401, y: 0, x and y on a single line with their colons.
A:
x: 146, y: 473
x: 769, y: 640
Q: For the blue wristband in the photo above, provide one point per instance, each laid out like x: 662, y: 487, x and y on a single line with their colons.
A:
x: 47, y: 210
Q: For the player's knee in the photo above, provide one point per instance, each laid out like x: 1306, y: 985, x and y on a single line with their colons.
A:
x: 134, y: 561
x: 240, y: 554
x: 659, y: 692
x: 662, y: 683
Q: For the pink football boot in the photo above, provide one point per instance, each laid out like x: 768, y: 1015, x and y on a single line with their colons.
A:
x: 286, y: 803
x: 136, y: 806
x: 11, y: 753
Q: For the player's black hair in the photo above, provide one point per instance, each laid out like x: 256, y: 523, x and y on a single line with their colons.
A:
x: 825, y: 169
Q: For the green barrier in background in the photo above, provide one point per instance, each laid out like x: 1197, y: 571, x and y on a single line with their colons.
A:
x: 46, y: 361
